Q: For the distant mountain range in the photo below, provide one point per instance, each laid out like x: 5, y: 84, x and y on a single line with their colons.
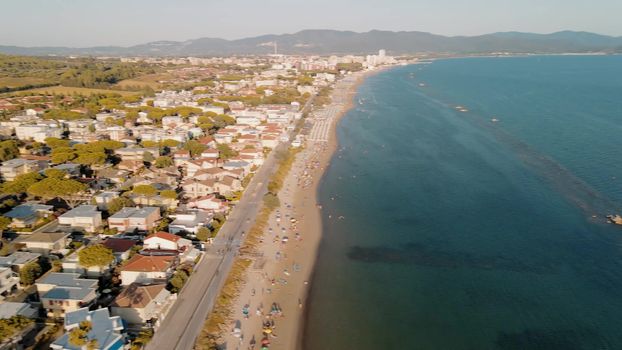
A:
x: 347, y: 42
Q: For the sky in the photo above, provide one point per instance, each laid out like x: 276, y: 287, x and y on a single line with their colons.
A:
x: 85, y: 23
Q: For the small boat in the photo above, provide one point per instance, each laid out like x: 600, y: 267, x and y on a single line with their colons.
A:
x: 421, y: 84
x: 494, y: 120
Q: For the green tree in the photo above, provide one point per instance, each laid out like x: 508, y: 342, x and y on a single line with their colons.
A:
x: 170, y: 143
x: 225, y: 151
x: 21, y: 183
x: 78, y: 336
x: 194, y: 147
x: 91, y: 158
x: 95, y: 255
x: 148, y: 157
x: 55, y: 173
x: 12, y: 325
x: 203, y: 234
x: 55, y: 142
x: 163, y: 162
x: 119, y: 203
x: 145, y: 190
x: 149, y: 144
x: 171, y: 194
x: 8, y: 150
x: 51, y: 188
x: 29, y: 273
x: 4, y: 223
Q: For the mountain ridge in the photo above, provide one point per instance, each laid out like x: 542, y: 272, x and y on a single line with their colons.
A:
x: 328, y: 41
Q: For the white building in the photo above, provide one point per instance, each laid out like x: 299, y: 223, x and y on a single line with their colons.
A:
x: 84, y: 216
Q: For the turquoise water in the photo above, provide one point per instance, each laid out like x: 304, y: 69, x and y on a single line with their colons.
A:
x: 463, y: 233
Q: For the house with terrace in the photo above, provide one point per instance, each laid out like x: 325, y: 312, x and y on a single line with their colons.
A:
x: 104, y: 332
x: 62, y: 292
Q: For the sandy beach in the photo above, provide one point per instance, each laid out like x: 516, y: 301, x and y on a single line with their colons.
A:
x: 275, y: 287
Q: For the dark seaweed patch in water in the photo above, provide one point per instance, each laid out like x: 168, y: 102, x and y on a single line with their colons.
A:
x: 419, y: 254
x: 540, y: 339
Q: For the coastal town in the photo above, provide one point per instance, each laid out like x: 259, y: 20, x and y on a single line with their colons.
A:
x: 177, y: 214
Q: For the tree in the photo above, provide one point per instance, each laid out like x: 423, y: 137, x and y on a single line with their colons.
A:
x: 95, y: 255
x: 51, y: 188
x: 170, y: 194
x: 148, y: 157
x: 55, y: 142
x: 29, y: 273
x: 21, y: 183
x: 91, y: 158
x: 170, y: 143
x: 163, y: 162
x: 225, y: 151
x: 149, y: 144
x: 203, y: 234
x: 78, y: 336
x: 55, y: 173
x: 8, y: 150
x: 4, y: 222
x: 119, y: 203
x: 10, y: 326
x: 145, y: 190
x: 194, y: 147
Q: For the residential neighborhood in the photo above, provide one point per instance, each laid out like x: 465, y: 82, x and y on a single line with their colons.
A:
x: 109, y: 201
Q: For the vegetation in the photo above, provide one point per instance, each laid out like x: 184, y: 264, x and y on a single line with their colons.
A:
x: 179, y: 279
x: 203, y: 234
x: 78, y: 336
x: 8, y: 150
x: 12, y: 325
x: 145, y: 190
x: 119, y: 203
x: 142, y: 339
x: 352, y: 67
x: 21, y: 183
x: 95, y: 255
x: 225, y: 151
x: 29, y: 273
x: 163, y: 162
x: 52, y: 187
x: 194, y: 147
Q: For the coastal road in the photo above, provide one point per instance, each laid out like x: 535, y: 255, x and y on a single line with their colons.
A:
x: 186, y: 317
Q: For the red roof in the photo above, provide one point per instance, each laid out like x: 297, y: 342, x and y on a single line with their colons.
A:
x: 165, y: 235
x: 119, y: 245
x: 149, y: 263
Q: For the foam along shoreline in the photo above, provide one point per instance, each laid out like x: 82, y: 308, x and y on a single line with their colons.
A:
x: 283, y: 278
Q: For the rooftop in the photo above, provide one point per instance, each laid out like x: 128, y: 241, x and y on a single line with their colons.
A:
x: 138, y: 296
x: 104, y: 329
x: 149, y: 263
x: 135, y: 212
x: 82, y: 211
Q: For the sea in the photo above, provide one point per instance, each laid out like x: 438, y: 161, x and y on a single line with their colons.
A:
x: 465, y: 209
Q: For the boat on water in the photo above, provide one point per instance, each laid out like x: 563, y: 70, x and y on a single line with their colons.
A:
x: 421, y: 84
x: 494, y: 120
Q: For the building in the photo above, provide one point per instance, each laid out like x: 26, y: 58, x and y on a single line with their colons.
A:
x: 189, y: 221
x: 44, y: 242
x: 11, y: 169
x: 18, y: 259
x: 8, y: 309
x: 121, y: 247
x: 85, y: 216
x: 138, y: 303
x: 28, y: 214
x: 62, y: 292
x: 137, y: 153
x: 105, y: 330
x: 148, y: 269
x: 103, y: 199
x: 8, y: 282
x: 166, y: 241
x: 128, y: 219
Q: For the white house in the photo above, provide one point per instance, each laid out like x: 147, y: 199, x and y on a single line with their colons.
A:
x: 138, y: 303
x: 84, y: 216
x: 166, y: 241
x: 147, y: 269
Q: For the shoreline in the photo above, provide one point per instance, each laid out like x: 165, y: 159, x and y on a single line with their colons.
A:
x: 285, y: 276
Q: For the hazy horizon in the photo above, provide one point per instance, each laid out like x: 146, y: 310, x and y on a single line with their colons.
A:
x: 75, y: 23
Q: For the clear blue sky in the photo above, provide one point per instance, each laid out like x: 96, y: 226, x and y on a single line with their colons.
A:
x: 129, y: 22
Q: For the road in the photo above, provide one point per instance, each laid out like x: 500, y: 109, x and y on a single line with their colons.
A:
x: 185, y: 320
